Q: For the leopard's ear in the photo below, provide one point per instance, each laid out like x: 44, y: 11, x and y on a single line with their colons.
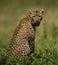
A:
x: 30, y: 11
x: 42, y: 11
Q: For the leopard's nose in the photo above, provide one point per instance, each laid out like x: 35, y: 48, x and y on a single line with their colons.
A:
x: 37, y: 21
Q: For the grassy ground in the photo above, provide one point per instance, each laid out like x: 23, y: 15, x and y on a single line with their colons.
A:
x: 46, y: 42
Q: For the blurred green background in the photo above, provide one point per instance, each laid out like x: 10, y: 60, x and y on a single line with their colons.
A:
x: 11, y: 11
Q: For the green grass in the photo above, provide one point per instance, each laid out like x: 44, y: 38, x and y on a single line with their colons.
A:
x: 46, y: 42
x: 45, y: 56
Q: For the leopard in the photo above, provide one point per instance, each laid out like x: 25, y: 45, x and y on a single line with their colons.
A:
x: 23, y: 39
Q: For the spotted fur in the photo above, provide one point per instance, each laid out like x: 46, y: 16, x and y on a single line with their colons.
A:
x: 23, y: 40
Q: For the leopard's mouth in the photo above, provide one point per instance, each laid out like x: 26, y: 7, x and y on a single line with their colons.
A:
x: 37, y: 23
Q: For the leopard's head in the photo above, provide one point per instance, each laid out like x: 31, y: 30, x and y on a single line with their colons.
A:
x: 36, y: 17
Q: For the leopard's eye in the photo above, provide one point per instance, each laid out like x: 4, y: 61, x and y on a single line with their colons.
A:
x: 39, y: 16
x: 33, y: 16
